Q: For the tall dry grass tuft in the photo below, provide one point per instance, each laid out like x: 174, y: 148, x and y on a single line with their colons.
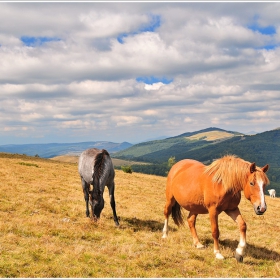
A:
x: 44, y: 231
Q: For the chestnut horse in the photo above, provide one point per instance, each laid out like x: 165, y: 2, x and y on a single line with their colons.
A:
x: 202, y: 189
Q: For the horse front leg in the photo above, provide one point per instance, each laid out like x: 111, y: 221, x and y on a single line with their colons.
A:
x: 236, y: 216
x: 113, y: 203
x: 85, y: 187
x: 213, y: 213
x: 191, y: 221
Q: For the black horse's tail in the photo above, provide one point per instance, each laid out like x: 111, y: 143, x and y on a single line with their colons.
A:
x: 98, y: 171
x: 177, y: 214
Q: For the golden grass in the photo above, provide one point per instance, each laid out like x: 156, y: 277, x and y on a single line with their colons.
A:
x: 44, y: 231
x: 211, y: 135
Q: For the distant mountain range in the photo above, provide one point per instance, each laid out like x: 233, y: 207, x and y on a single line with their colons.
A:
x: 203, y: 145
x: 56, y: 149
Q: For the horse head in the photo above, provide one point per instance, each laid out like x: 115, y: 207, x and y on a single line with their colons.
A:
x: 97, y: 205
x: 255, y: 186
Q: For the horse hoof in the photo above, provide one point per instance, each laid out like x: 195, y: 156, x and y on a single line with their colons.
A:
x: 199, y: 246
x: 238, y: 257
x: 219, y: 256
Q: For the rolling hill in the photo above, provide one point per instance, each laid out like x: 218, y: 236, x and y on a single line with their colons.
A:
x: 205, y: 146
x: 160, y: 150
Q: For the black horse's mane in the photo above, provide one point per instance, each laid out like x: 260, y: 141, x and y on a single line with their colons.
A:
x: 98, y: 169
x: 98, y: 163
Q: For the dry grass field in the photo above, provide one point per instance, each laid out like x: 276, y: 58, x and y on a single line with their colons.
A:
x: 44, y: 231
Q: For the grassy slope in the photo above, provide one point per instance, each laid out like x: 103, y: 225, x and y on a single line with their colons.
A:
x: 161, y: 150
x: 44, y: 231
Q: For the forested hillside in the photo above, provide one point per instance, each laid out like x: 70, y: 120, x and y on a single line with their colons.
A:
x: 159, y: 151
x: 261, y: 148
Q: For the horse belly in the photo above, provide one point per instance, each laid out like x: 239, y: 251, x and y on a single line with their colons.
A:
x: 188, y: 189
x: 191, y: 201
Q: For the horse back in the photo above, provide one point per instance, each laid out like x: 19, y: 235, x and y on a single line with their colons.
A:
x: 87, y: 161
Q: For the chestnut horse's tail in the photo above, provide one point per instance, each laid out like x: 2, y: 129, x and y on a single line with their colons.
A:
x: 177, y: 214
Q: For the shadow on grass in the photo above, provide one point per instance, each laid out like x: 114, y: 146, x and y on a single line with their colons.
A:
x: 254, y: 251
x: 142, y: 225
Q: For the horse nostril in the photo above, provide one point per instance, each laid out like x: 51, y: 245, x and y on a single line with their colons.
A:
x: 261, y: 209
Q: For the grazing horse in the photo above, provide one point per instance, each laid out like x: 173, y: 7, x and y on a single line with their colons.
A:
x: 96, y: 169
x: 272, y: 192
x: 212, y: 189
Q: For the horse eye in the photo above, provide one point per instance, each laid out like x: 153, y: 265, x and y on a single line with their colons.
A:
x: 252, y: 183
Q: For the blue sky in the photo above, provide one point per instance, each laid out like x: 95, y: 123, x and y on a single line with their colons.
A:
x: 36, y: 41
x: 269, y: 30
x: 151, y: 80
x: 131, y: 71
x: 151, y: 26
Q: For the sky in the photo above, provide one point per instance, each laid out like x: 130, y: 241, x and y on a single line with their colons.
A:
x: 134, y: 71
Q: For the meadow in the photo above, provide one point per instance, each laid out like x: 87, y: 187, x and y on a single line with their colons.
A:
x: 45, y: 233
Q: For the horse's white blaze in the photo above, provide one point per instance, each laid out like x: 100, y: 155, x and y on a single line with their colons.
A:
x: 165, y: 229
x: 260, y: 183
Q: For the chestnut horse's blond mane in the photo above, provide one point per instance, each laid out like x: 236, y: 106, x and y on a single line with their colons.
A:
x: 231, y: 171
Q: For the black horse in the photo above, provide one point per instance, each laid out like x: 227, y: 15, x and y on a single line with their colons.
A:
x: 96, y: 169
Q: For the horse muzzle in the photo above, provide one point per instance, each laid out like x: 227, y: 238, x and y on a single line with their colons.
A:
x: 259, y: 210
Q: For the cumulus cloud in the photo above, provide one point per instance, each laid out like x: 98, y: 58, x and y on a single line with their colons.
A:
x: 73, y: 71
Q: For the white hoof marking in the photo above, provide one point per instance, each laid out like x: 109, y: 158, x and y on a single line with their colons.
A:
x: 199, y: 246
x: 219, y: 256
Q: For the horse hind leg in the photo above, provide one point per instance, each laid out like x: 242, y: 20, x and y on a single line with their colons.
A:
x: 167, y: 211
x: 191, y: 221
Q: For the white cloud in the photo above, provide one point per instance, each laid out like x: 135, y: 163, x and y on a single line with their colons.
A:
x: 108, y: 24
x: 126, y: 120
x: 84, y: 85
x: 154, y: 86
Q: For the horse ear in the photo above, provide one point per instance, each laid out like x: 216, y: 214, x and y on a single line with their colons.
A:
x: 265, y: 168
x: 252, y: 167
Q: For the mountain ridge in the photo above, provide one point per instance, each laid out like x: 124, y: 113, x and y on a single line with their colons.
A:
x: 50, y: 150
x: 161, y: 150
